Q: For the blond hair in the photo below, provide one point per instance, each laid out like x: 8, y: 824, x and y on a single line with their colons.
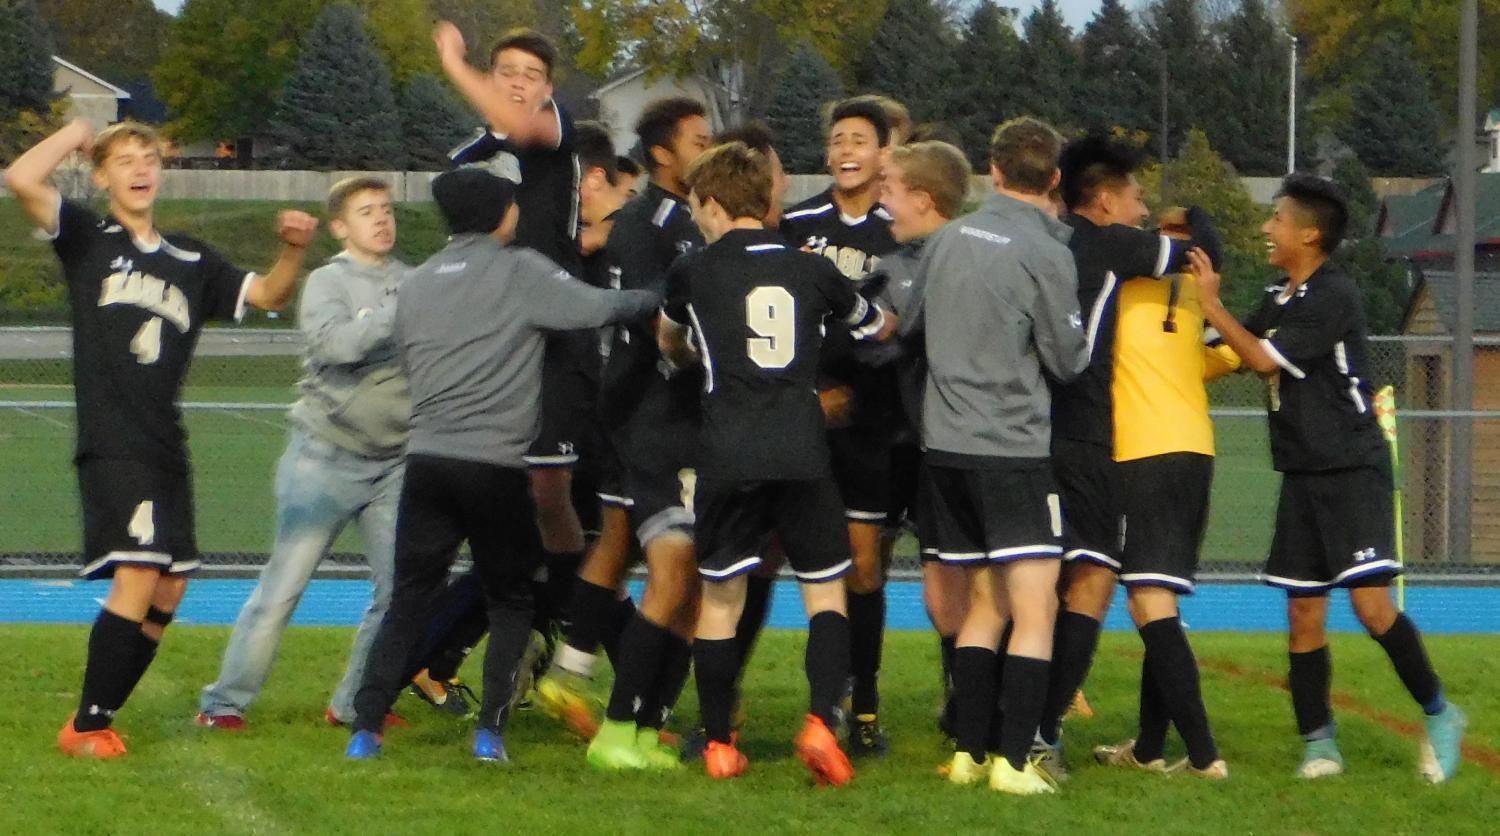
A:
x: 343, y: 190
x: 936, y: 169
x: 106, y: 140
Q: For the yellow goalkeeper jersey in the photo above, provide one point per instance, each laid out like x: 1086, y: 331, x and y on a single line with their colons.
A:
x: 1160, y: 404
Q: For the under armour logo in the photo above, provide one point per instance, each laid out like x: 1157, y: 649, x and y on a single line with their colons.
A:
x: 817, y: 243
x: 1364, y: 555
x: 1075, y: 319
x: 121, y: 264
x: 565, y: 447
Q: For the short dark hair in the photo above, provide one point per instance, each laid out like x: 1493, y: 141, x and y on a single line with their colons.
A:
x: 1322, y: 204
x: 527, y: 40
x: 1093, y: 164
x: 658, y: 124
x: 866, y: 108
x: 1026, y: 150
x: 345, y: 189
x: 754, y: 133
x: 627, y: 166
x: 736, y: 177
x: 595, y: 149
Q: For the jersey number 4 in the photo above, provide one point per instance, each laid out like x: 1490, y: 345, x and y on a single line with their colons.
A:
x: 142, y: 526
x: 146, y: 344
x: 771, y: 312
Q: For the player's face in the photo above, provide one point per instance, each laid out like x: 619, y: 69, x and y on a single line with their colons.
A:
x: 779, y: 185
x: 523, y: 77
x: 628, y: 186
x: 706, y: 215
x: 853, y: 154
x: 1287, y: 236
x: 1130, y: 203
x: 594, y: 192
x: 368, y: 223
x: 131, y: 174
x: 690, y: 140
x: 907, y: 208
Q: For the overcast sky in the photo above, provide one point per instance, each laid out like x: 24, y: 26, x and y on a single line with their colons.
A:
x: 1078, y: 12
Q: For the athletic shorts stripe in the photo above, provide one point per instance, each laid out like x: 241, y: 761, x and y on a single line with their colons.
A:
x: 730, y: 571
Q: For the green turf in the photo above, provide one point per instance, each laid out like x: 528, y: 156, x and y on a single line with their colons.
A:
x: 286, y: 774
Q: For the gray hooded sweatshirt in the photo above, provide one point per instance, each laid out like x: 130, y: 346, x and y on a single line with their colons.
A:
x: 354, y: 393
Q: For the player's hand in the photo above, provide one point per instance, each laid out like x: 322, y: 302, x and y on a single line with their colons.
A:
x: 888, y: 329
x: 1208, y: 278
x: 296, y: 228
x: 838, y: 406
x: 449, y: 40
x: 83, y: 129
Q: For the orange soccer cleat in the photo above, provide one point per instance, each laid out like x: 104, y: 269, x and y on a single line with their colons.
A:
x: 819, y: 750
x: 101, y: 744
x: 723, y: 760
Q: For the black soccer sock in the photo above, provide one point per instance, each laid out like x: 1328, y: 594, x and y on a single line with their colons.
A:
x: 562, y: 574
x: 1403, y: 644
x: 1151, y: 738
x: 752, y: 617
x: 1175, y: 670
x: 591, y: 608
x: 621, y: 613
x: 1309, y: 677
x: 1076, y: 638
x: 1023, y: 694
x: 866, y: 635
x: 973, y: 698
x: 145, y: 654
x: 510, y: 633
x: 827, y: 666
x: 670, y: 680
x: 107, y: 675
x: 945, y: 647
x: 717, y: 664
x: 997, y: 708
x: 642, y: 648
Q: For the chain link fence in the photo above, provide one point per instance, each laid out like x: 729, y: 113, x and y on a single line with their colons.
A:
x: 242, y: 381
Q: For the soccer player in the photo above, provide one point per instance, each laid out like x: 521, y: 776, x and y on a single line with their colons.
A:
x: 1104, y: 206
x: 470, y: 327
x: 924, y: 187
x: 1334, y: 518
x: 139, y: 298
x: 651, y: 413
x: 756, y: 308
x: 846, y: 225
x: 343, y: 462
x: 530, y: 139
x: 1000, y: 309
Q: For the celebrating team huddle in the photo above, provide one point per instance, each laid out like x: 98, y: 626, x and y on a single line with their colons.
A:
x: 596, y: 371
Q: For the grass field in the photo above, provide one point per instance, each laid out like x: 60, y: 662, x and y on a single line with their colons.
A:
x: 286, y: 774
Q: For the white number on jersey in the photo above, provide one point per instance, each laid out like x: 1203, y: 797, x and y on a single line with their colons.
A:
x: 143, y: 523
x: 146, y: 345
x: 771, y: 312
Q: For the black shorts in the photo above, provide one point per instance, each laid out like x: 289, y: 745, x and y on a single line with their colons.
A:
x: 611, y: 485
x: 922, y: 515
x: 570, y: 393
x: 906, y: 468
x: 1165, y: 499
x: 135, y: 515
x: 861, y: 462
x: 736, y: 520
x: 996, y: 515
x: 657, y: 457
x: 1334, y: 528
x: 1088, y: 480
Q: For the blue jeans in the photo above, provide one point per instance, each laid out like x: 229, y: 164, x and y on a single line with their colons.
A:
x: 320, y: 488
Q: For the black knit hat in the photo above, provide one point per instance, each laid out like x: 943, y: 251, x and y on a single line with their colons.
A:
x: 472, y: 199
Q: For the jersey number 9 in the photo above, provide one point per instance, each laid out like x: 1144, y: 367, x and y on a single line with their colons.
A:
x: 771, y: 313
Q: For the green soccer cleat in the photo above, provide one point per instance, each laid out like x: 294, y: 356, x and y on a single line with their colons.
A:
x: 659, y: 756
x: 1442, y: 749
x: 614, y: 748
x: 567, y: 698
x: 964, y: 770
x: 1028, y: 781
x: 1321, y: 759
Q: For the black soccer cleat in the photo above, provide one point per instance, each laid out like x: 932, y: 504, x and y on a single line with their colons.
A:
x: 867, y: 738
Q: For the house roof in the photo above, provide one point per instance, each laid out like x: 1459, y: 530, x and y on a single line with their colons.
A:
x: 1406, y: 221
x: 1413, y: 226
x: 1442, y: 287
x: 119, y: 93
x: 618, y: 79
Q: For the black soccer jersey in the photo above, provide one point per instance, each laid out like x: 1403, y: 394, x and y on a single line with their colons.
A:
x: 1106, y: 257
x: 1320, y: 401
x: 547, y: 187
x: 756, y: 307
x: 137, y: 312
x: 854, y: 245
x: 650, y: 232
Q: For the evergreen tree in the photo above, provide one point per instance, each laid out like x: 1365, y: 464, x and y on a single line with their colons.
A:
x: 1394, y: 126
x: 25, y: 60
x: 987, y: 92
x: 1249, y: 111
x: 1117, y: 74
x: 1353, y: 179
x: 433, y: 122
x: 337, y: 109
x: 1187, y: 55
x: 911, y: 58
x: 806, y: 83
x: 1049, y: 68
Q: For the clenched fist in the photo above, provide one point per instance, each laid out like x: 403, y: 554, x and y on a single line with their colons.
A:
x: 296, y: 228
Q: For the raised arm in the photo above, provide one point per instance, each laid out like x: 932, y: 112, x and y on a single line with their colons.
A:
x: 274, y: 289
x: 28, y: 178
x: 516, y: 119
x: 1249, y: 348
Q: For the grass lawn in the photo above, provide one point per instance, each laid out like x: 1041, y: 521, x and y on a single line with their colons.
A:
x: 286, y: 773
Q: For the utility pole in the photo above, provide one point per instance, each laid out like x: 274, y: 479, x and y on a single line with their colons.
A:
x: 1291, y: 112
x: 1461, y: 453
